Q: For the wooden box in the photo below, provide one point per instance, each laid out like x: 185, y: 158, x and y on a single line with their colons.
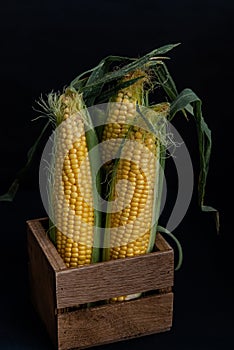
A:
x: 57, y: 292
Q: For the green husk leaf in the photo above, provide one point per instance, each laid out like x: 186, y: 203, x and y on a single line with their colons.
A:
x: 185, y: 98
x: 179, y: 247
x: 188, y: 98
x: 207, y: 208
x: 98, y: 72
x: 166, y: 81
x: 10, y: 194
x: 157, y: 200
x: 111, y: 189
x: 95, y: 163
x: 105, y: 96
x: 76, y: 83
x: 80, y: 84
x: 156, y: 126
x: 104, y: 65
x: 96, y: 87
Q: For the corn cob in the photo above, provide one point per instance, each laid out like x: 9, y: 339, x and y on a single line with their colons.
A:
x: 136, y: 217
x: 71, y: 195
x: 122, y: 110
x: 135, y: 220
x: 132, y: 228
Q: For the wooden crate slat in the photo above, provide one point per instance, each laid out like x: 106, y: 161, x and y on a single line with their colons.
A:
x: 46, y: 245
x: 110, y: 323
x: 113, y: 278
x: 42, y: 285
x: 161, y: 244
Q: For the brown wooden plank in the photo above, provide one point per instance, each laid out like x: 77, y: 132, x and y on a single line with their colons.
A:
x: 115, y: 322
x: 42, y: 220
x: 42, y: 285
x: 104, y: 280
x: 46, y: 245
x: 161, y: 243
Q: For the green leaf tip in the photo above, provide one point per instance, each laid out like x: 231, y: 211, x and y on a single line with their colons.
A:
x: 179, y: 247
x: 10, y: 194
x: 215, y: 212
x: 188, y: 100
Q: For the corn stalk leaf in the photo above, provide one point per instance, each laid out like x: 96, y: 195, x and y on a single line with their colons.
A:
x: 188, y: 98
x: 10, y: 194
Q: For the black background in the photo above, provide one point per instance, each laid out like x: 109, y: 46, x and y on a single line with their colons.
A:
x: 44, y: 45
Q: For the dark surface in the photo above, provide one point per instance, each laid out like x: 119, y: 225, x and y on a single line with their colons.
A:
x: 44, y: 46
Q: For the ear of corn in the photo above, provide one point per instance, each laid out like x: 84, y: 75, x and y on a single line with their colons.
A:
x: 72, y: 193
x: 122, y: 109
x: 134, y: 205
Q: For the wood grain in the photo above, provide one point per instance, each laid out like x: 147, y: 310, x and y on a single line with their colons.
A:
x: 115, y: 322
x: 161, y: 244
x: 104, y: 280
x: 38, y: 230
x: 42, y: 285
